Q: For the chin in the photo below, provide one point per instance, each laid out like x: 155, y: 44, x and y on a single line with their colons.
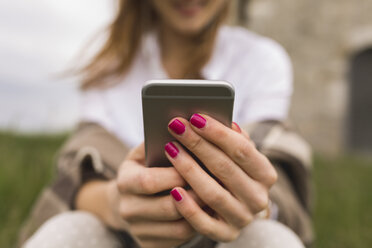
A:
x: 189, y: 29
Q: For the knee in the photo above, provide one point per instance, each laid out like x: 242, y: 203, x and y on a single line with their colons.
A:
x: 72, y: 229
x: 265, y: 233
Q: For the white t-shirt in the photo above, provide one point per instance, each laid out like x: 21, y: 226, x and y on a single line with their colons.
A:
x: 258, y: 67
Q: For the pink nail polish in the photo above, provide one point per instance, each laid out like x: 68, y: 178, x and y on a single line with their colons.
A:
x: 171, y: 149
x: 176, y: 195
x: 238, y: 127
x: 198, y: 121
x: 177, y: 127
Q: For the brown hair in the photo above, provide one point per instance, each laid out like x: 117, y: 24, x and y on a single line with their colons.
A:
x: 135, y: 17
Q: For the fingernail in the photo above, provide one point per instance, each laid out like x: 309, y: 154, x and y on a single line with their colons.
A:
x: 176, y: 195
x: 171, y: 149
x: 198, y: 121
x: 177, y: 126
x: 238, y: 127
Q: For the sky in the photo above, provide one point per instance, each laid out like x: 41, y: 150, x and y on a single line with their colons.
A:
x: 39, y: 40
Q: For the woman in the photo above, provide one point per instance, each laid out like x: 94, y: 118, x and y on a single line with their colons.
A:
x: 180, y: 39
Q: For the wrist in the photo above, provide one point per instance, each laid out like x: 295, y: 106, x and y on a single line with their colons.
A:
x: 100, y: 198
x: 112, y: 198
x: 112, y: 216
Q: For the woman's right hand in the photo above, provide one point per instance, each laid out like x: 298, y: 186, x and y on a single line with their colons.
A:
x: 152, y: 220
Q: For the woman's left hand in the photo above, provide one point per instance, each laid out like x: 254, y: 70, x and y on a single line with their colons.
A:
x: 245, y: 176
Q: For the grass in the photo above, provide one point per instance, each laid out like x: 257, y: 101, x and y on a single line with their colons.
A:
x: 342, y: 213
x: 25, y: 167
x: 343, y: 209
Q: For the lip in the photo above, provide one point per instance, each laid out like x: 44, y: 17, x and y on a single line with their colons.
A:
x: 189, y: 8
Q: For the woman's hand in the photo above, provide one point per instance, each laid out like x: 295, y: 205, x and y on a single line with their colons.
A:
x: 245, y: 176
x: 153, y: 220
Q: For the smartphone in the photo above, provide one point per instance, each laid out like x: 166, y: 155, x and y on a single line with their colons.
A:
x: 163, y: 100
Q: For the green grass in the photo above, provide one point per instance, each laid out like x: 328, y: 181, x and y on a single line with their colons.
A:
x: 26, y: 165
x: 343, y: 206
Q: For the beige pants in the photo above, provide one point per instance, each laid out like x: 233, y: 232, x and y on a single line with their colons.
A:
x: 81, y: 229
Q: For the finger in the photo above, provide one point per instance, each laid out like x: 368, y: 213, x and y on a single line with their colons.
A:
x: 159, y: 242
x: 209, y: 191
x: 176, y: 230
x: 143, y: 180
x: 152, y: 208
x: 246, y: 135
x: 138, y: 153
x: 236, y: 146
x: 200, y: 221
x: 236, y: 127
x: 196, y: 198
x: 156, y: 208
x: 233, y: 177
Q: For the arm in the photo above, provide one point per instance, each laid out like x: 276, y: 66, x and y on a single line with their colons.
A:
x: 291, y: 156
x: 89, y: 179
x: 90, y: 153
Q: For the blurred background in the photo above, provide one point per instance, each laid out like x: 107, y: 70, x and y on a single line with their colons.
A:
x: 39, y: 41
x: 330, y: 43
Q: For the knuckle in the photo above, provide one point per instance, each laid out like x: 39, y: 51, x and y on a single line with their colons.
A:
x: 188, y: 170
x: 261, y: 202
x: 244, y: 220
x: 195, y: 143
x: 272, y: 176
x: 224, y: 169
x: 220, y: 133
x: 146, y: 183
x: 169, y: 209
x: 243, y: 152
x: 121, y: 183
x: 215, y: 199
x: 124, y: 211
x: 190, y: 213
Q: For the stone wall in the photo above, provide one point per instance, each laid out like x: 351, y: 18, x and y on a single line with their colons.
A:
x: 321, y: 37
